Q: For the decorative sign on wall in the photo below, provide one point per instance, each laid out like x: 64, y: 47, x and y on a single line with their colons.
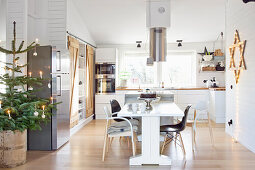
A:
x: 241, y: 46
x: 246, y: 1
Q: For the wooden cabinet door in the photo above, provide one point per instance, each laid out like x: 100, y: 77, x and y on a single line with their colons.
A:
x: 89, y: 81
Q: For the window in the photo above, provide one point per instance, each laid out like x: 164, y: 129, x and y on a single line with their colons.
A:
x: 134, y: 71
x: 179, y: 70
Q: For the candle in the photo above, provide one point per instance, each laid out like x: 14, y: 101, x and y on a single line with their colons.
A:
x: 51, y: 100
x: 9, y: 113
x: 30, y: 74
x: 0, y: 104
x: 40, y: 72
x: 36, y: 40
x: 43, y: 115
x: 16, y: 63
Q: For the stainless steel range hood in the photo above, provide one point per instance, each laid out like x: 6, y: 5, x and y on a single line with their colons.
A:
x: 157, y: 20
x: 158, y: 44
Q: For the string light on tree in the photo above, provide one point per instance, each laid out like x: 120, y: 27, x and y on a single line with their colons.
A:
x: 0, y: 104
x: 30, y: 74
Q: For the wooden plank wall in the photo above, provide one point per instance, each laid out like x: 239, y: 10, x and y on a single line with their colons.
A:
x: 57, y: 23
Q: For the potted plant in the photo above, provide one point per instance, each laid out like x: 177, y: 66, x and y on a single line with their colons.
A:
x: 124, y: 75
x: 207, y: 55
x: 20, y: 109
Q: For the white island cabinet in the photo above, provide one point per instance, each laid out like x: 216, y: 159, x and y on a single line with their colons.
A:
x: 217, y: 107
x: 102, y: 100
x: 184, y: 97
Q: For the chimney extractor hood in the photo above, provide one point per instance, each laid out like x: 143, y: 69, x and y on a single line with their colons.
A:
x: 158, y: 44
x: 157, y: 20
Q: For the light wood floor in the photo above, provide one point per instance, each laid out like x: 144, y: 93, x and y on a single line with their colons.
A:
x: 84, y: 151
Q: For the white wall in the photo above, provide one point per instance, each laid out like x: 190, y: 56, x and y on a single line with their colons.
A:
x: 3, y: 20
x: 16, y: 10
x: 38, y: 21
x: 76, y: 25
x: 187, y: 47
x: 240, y: 100
x: 2, y: 37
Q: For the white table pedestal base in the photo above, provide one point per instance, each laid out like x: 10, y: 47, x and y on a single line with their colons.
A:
x: 150, y: 144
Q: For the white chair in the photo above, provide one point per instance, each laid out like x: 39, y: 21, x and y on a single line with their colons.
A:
x: 126, y: 128
x: 200, y: 107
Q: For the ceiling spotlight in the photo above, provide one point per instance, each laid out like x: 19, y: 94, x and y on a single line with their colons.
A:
x: 138, y: 44
x: 179, y: 43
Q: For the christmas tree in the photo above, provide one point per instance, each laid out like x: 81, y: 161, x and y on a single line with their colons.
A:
x: 20, y: 108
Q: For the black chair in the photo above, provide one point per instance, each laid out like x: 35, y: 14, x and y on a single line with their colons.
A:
x: 115, y: 106
x: 174, y: 131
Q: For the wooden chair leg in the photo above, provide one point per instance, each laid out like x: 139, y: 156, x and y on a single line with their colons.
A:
x: 194, y: 131
x: 128, y: 139
x: 120, y: 139
x: 108, y: 144
x: 192, y: 138
x: 105, y: 146
x: 210, y: 129
x: 176, y: 135
x: 183, y: 148
x: 164, y: 143
x: 111, y: 140
x: 136, y: 140
x: 133, y: 144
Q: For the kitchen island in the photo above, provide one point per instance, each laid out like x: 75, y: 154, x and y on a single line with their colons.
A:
x: 181, y: 96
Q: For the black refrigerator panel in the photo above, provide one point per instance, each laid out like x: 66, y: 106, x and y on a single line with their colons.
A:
x: 56, y: 132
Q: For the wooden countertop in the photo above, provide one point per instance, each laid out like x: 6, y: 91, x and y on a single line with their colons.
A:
x: 188, y: 88
x: 132, y: 89
x: 218, y: 89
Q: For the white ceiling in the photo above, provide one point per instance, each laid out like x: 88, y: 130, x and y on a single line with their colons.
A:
x: 124, y: 21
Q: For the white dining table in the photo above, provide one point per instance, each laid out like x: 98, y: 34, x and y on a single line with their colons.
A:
x: 150, y: 153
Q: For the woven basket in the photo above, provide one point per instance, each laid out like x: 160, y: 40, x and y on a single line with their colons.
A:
x: 208, y: 69
x: 13, y: 148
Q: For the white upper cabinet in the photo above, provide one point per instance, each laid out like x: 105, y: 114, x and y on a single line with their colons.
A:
x: 106, y: 55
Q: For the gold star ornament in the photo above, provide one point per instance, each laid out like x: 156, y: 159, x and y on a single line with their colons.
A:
x: 241, y: 66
